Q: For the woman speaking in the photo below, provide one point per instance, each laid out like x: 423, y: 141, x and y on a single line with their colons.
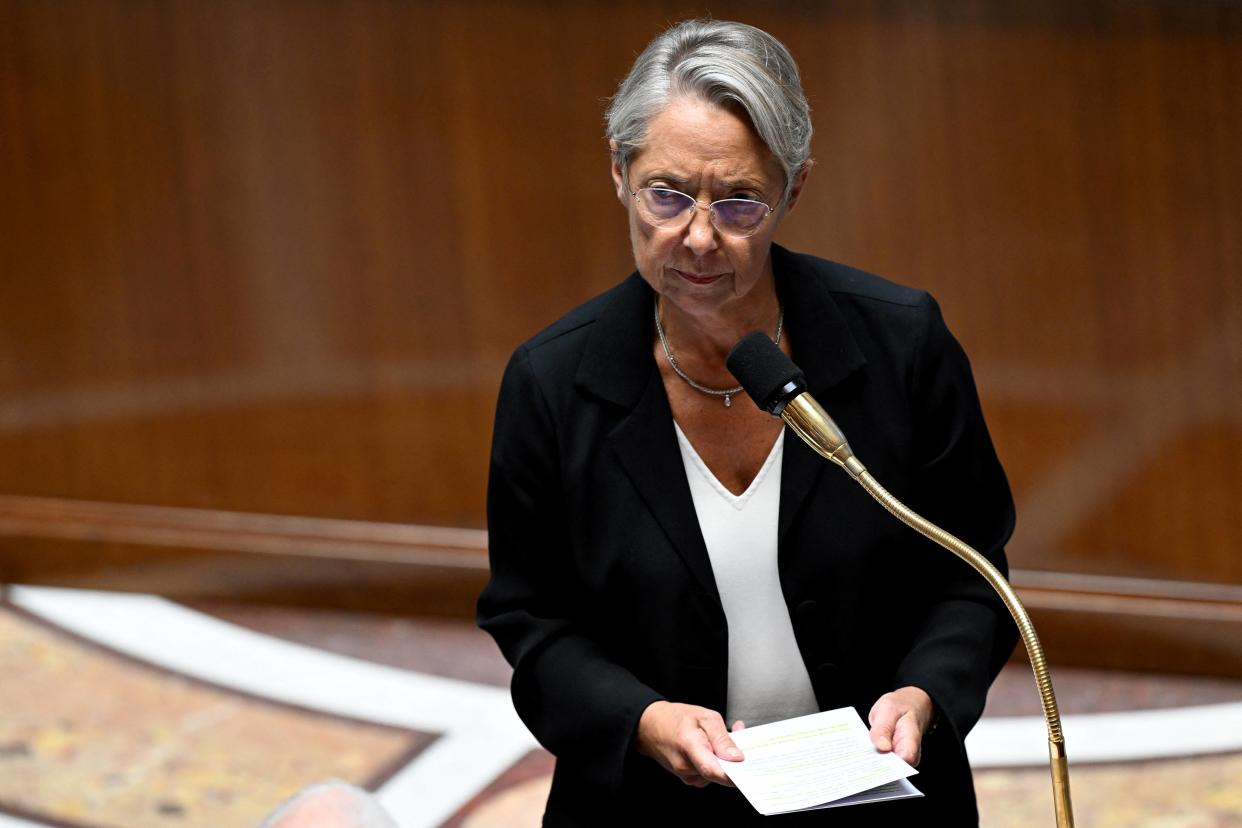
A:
x: 666, y: 563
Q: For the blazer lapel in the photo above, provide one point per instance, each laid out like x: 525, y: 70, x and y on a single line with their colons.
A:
x: 618, y: 367
x: 646, y: 445
x: 825, y: 350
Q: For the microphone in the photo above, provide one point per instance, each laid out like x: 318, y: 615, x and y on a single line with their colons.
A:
x: 779, y: 387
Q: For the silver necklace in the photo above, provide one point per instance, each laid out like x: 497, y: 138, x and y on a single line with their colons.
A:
x: 727, y: 393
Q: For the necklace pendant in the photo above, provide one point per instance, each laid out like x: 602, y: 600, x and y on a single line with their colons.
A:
x: 728, y: 400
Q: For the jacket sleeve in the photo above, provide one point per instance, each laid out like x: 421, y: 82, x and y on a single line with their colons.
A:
x: 581, y: 705
x: 966, y: 633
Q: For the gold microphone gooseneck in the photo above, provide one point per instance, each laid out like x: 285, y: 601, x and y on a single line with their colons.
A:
x: 778, y: 386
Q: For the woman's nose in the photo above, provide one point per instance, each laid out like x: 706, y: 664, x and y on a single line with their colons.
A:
x: 700, y: 235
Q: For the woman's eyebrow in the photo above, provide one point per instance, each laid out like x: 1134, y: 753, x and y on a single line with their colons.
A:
x: 741, y: 184
x: 682, y: 181
x: 671, y: 178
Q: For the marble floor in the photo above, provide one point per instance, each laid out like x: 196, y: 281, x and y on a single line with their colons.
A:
x: 128, y: 710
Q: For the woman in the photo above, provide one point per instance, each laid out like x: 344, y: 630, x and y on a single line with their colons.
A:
x: 665, y: 564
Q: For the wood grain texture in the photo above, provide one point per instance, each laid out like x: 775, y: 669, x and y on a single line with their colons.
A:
x: 201, y: 555
x: 195, y: 554
x: 271, y: 257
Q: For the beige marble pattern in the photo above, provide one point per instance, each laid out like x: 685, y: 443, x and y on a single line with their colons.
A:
x: 87, y: 736
x: 1201, y: 792
x: 519, y: 806
x: 1197, y: 792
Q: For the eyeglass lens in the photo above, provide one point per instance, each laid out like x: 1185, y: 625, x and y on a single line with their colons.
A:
x: 736, y: 215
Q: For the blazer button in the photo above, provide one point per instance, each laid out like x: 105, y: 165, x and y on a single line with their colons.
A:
x: 807, y: 613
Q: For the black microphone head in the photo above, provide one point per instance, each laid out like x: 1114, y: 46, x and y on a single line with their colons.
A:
x: 769, y: 377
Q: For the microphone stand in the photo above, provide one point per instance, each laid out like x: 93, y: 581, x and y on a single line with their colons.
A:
x: 810, y: 422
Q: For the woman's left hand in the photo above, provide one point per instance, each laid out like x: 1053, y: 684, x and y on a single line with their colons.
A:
x: 898, y: 721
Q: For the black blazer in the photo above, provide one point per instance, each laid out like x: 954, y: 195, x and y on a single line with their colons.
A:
x: 602, y: 595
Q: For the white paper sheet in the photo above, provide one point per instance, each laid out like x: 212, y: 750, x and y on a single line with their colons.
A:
x: 824, y: 760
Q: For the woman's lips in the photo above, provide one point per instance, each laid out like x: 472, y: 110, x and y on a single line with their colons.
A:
x: 698, y: 278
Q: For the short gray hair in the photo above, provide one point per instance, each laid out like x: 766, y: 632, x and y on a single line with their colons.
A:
x: 723, y: 63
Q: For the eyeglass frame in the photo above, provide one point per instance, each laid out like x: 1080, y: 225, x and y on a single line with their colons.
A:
x: 710, y: 208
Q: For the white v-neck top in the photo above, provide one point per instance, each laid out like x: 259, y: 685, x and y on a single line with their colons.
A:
x: 767, y: 678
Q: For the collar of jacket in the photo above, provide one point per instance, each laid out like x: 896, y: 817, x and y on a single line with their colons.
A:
x: 617, y: 363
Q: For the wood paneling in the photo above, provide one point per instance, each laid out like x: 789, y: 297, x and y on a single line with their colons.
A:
x: 196, y: 554
x: 271, y: 256
x: 1135, y: 623
x: 204, y: 554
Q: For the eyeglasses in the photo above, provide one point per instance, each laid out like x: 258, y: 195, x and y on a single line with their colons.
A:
x: 673, y: 209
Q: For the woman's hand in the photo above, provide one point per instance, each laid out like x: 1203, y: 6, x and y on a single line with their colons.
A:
x: 898, y: 721
x: 686, y: 740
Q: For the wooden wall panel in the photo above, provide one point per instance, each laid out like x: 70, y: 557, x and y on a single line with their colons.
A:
x: 271, y: 256
x: 196, y: 554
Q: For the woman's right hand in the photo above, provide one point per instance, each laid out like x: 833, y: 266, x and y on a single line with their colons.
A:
x: 686, y: 740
